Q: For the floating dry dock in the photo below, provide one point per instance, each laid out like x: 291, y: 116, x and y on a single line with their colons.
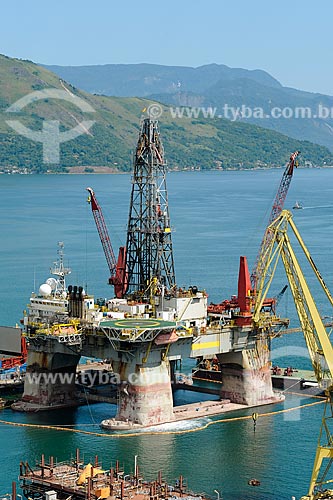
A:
x: 57, y: 480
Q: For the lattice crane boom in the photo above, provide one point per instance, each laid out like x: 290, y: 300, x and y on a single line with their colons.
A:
x: 102, y: 231
x: 276, y: 210
x: 117, y: 268
x: 284, y: 187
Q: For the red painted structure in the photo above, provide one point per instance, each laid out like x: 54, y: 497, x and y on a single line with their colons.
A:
x: 241, y: 305
x: 117, y: 269
x: 7, y: 363
x: 244, y: 286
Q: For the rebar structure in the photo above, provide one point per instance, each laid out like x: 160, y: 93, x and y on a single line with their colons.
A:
x: 149, y: 261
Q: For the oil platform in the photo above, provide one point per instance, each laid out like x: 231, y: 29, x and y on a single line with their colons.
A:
x: 151, y: 322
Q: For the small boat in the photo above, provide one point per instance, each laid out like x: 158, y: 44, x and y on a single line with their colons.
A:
x: 253, y: 482
x: 297, y: 206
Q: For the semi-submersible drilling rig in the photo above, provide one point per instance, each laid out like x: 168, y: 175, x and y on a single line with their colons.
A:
x: 150, y: 323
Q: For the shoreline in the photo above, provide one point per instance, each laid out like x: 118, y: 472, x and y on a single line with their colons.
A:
x: 104, y: 170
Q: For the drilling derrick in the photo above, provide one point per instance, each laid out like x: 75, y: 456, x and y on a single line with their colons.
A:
x: 149, y: 244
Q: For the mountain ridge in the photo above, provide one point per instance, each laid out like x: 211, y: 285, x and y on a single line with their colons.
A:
x: 168, y: 75
x: 190, y: 143
x: 211, y: 85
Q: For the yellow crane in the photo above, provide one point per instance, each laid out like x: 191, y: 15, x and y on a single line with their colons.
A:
x: 316, y: 337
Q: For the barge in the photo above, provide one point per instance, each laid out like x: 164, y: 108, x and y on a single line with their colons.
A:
x: 73, y: 479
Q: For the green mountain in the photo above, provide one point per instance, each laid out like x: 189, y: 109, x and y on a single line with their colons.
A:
x: 213, y: 85
x: 189, y: 143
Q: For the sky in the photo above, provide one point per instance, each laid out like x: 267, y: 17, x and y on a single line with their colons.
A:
x: 291, y: 39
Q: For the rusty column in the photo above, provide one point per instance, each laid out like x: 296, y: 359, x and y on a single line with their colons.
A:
x: 13, y: 490
x: 111, y: 480
x: 181, y: 484
x: 77, y: 458
x: 89, y: 489
x: 43, y: 464
x: 51, y: 465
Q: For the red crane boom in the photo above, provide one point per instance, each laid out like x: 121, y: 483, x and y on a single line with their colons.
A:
x: 116, y: 268
x: 102, y: 231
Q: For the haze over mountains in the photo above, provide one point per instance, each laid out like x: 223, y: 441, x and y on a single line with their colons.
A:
x: 189, y: 143
x: 216, y: 86
x: 128, y: 80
